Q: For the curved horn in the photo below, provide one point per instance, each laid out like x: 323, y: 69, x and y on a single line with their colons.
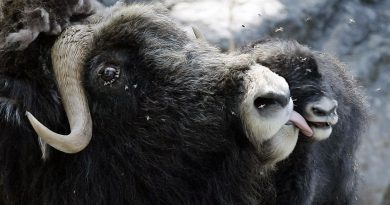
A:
x: 68, y: 56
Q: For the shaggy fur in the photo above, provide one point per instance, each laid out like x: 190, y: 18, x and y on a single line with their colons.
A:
x: 22, y: 21
x: 165, y: 132
x: 323, y: 172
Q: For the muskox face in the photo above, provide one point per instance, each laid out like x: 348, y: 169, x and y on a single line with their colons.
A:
x: 135, y: 80
x: 312, y: 96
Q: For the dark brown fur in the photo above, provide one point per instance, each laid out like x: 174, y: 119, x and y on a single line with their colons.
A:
x: 169, y: 137
x: 165, y: 132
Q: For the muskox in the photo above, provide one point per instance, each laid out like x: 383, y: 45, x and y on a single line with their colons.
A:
x: 154, y: 116
x: 322, y: 168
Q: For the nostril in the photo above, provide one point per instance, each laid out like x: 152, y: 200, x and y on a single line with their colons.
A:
x: 262, y: 103
x: 319, y: 111
x: 333, y: 110
x: 322, y: 112
x: 269, y: 99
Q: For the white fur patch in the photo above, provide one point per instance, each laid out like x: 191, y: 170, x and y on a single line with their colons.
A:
x: 283, y: 143
x: 44, y: 148
x: 328, y: 105
x: 259, y: 81
x: 321, y: 133
x: 24, y: 37
x: 268, y: 126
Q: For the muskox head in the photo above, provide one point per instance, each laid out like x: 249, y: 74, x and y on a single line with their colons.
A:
x: 303, y: 69
x: 133, y: 78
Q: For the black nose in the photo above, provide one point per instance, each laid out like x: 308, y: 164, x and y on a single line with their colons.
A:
x: 269, y: 99
x: 322, y: 111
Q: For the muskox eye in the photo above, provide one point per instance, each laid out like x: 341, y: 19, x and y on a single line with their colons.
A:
x: 109, y: 74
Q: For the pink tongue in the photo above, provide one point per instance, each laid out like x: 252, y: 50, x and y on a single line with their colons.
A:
x: 301, y: 123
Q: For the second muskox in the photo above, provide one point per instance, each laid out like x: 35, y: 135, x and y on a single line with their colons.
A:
x: 322, y: 168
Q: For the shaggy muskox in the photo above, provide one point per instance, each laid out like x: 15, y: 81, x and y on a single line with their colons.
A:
x: 154, y: 116
x: 167, y: 119
x: 319, y: 172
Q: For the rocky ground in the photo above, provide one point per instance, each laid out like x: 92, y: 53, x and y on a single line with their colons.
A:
x: 356, y: 31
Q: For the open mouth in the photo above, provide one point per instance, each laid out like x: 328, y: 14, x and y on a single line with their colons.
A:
x: 321, y: 129
x: 322, y: 125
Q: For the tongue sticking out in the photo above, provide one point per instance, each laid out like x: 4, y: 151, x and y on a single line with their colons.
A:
x: 301, y: 123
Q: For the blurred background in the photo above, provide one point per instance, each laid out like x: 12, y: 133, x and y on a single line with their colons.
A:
x: 355, y: 31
